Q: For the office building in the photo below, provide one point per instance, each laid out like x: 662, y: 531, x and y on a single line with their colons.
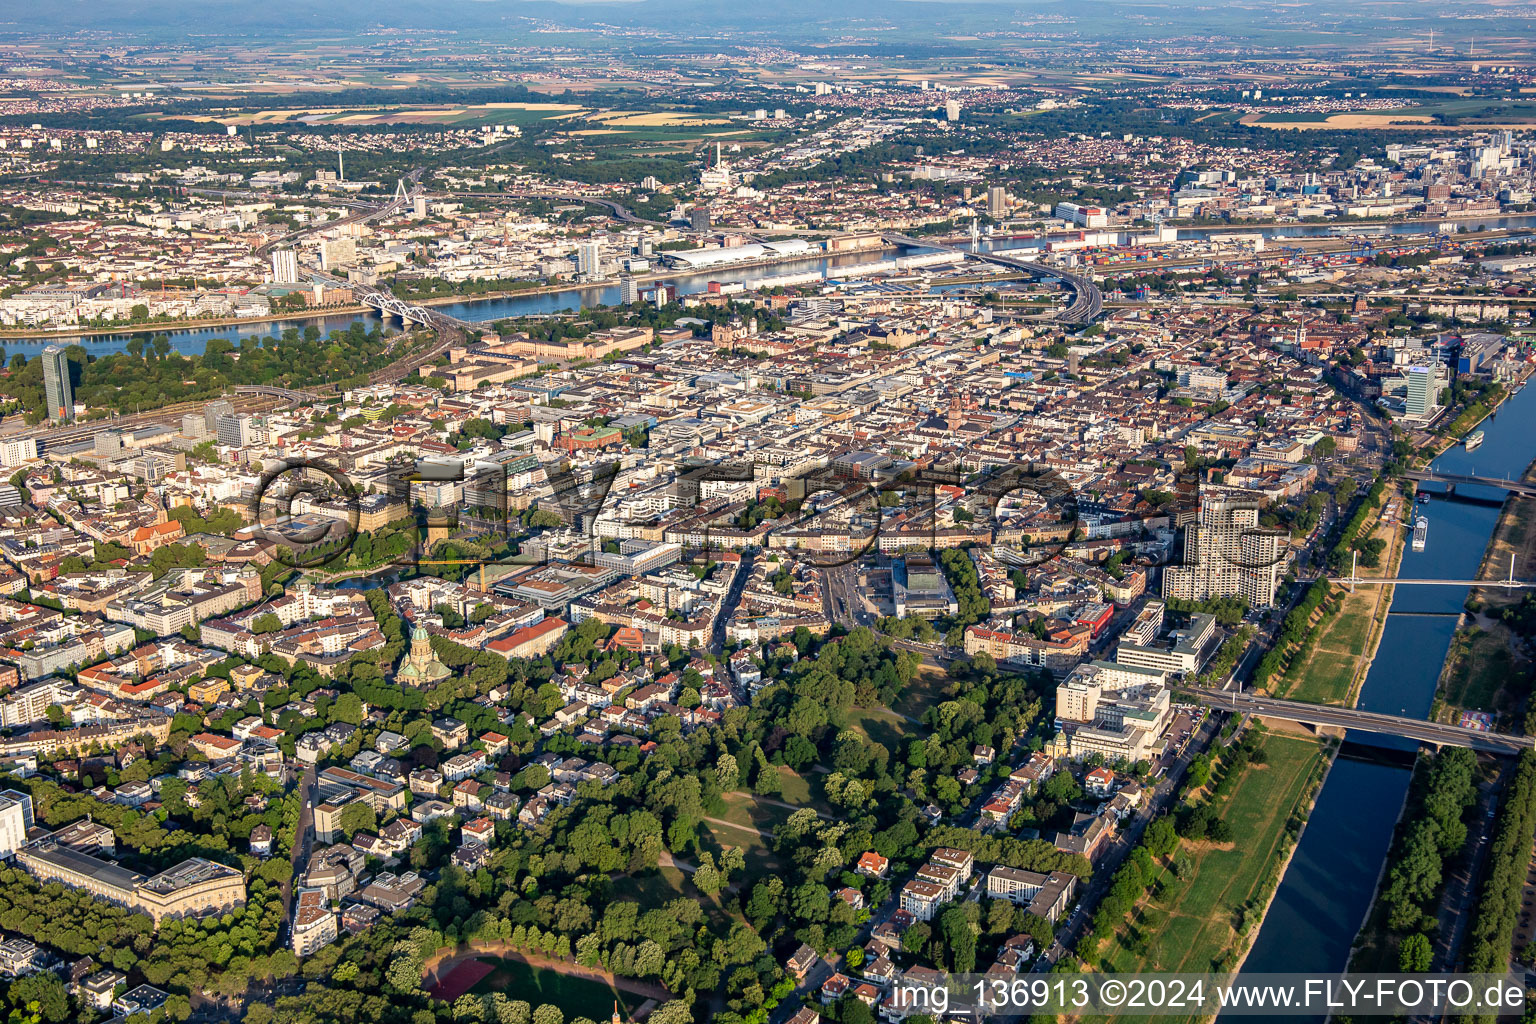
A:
x: 211, y: 413
x: 57, y: 389
x: 236, y: 431
x: 1083, y: 216
x: 108, y: 444
x: 14, y: 453
x: 1046, y: 896
x: 15, y: 819
x: 1115, y: 710
x: 194, y: 427
x: 1422, y: 396
x: 997, y: 202
x: 1227, y: 554
x: 285, y: 267
x: 699, y: 218
x: 193, y: 888
x: 629, y: 289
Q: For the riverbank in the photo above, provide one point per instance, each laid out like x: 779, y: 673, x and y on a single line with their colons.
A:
x: 1337, y: 660
x: 1440, y: 444
x: 1339, y: 862
x: 1487, y: 670
x: 1331, y: 757
x: 1202, y: 916
x: 75, y: 336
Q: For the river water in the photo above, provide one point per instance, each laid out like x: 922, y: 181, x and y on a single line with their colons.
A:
x: 1327, y: 889
x: 192, y: 341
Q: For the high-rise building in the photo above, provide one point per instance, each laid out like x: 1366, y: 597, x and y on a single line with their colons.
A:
x: 699, y: 218
x: 15, y: 819
x: 1423, y: 394
x: 212, y: 411
x: 1228, y: 554
x: 589, y: 259
x: 997, y: 202
x: 629, y: 289
x: 285, y: 267
x: 952, y: 109
x: 108, y: 443
x: 57, y: 390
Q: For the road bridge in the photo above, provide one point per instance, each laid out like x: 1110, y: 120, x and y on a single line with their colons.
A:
x: 1452, y: 480
x: 397, y: 203
x: 1357, y: 720
x: 618, y: 211
x: 1087, y: 301
x: 294, y: 395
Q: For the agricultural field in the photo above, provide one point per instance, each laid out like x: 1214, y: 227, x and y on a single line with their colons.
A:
x: 451, y: 115
x: 1480, y: 111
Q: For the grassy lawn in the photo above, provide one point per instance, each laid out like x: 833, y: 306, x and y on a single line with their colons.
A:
x: 880, y: 725
x: 1477, y: 670
x: 1326, y: 675
x: 744, y: 810
x: 654, y: 889
x: 1350, y: 629
x: 578, y: 997
x: 1326, y: 678
x: 796, y: 789
x: 1190, y: 925
x: 926, y: 689
x: 748, y: 810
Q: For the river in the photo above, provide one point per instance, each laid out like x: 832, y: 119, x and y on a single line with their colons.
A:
x: 1323, y: 898
x: 191, y: 341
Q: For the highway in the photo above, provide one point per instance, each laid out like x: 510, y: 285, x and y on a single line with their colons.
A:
x: 1355, y: 719
x: 389, y: 209
x: 1087, y: 301
x: 293, y: 395
x: 618, y: 211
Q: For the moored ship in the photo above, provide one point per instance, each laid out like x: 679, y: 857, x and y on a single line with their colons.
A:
x: 1420, y: 533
